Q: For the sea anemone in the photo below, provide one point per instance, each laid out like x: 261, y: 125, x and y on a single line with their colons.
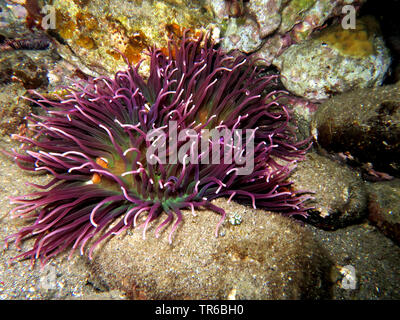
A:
x: 94, y: 141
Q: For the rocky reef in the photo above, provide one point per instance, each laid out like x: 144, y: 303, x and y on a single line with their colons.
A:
x: 336, y: 60
x: 92, y: 34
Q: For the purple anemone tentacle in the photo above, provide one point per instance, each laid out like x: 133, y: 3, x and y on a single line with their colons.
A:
x: 93, y: 141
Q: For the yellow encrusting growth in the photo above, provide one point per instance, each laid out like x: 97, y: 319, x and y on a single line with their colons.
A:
x: 352, y: 42
x: 97, y: 35
x: 85, y: 42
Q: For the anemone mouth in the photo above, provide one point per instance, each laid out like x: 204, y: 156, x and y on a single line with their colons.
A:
x: 95, y: 142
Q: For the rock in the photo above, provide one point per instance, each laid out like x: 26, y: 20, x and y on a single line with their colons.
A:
x: 384, y: 207
x: 242, y: 34
x: 296, y: 11
x: 295, y: 17
x: 19, y: 67
x: 12, y: 19
x: 301, y: 17
x: 365, y: 123
x: 267, y: 14
x: 374, y: 258
x: 303, y: 114
x: 264, y: 256
x: 340, y: 195
x: 219, y: 8
x: 13, y: 111
x: 89, y: 32
x: 20, y: 71
x: 273, y: 47
x: 284, y: 23
x: 336, y: 61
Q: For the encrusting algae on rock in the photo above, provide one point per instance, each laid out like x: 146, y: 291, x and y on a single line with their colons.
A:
x: 356, y: 42
x: 336, y: 61
x: 94, y: 35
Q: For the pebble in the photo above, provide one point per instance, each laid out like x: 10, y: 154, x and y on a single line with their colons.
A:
x: 384, y: 207
x: 364, y: 123
x: 340, y: 193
